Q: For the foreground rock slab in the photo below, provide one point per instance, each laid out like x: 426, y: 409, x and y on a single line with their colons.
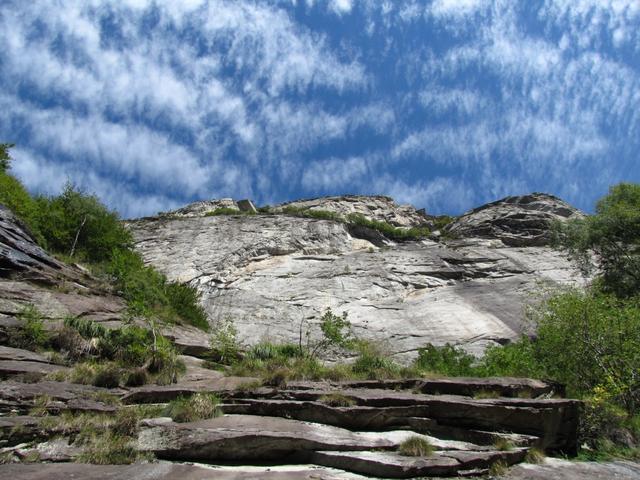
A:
x: 255, y: 438
x: 169, y: 471
x: 392, y: 465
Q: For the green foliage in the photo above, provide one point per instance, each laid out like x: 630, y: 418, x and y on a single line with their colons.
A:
x: 373, y: 364
x: 78, y: 224
x: 15, y: 197
x: 337, y: 400
x: 517, y: 359
x: 30, y: 334
x: 416, y: 447
x: 149, y: 293
x: 5, y: 157
x: 388, y: 230
x: 613, y: 235
x: 199, y: 406
x: 447, y: 360
x: 224, y: 341
x: 130, y: 347
x: 224, y: 211
x: 107, y: 376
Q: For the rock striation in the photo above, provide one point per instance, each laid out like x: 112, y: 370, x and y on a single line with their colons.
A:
x: 275, y: 274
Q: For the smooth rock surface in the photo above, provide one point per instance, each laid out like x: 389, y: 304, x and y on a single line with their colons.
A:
x: 274, y: 275
x: 169, y: 471
x: 392, y: 465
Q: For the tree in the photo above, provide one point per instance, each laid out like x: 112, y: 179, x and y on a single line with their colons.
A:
x: 609, y: 241
x: 5, y: 157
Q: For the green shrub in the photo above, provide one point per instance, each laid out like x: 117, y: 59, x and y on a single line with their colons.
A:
x: 516, y: 359
x: 446, y: 360
x: 388, y: 230
x: 223, y: 211
x: 78, y: 224
x: 373, y: 364
x: 199, y: 406
x: 136, y: 378
x: 416, y: 447
x: 31, y: 334
x: 224, y: 341
x: 107, y: 376
x: 149, y: 293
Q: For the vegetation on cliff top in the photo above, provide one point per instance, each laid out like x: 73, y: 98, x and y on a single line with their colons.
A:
x: 76, y: 226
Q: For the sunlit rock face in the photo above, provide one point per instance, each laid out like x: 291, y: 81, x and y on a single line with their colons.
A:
x: 274, y: 274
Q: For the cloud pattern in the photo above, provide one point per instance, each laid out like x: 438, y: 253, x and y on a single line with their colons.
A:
x: 444, y: 104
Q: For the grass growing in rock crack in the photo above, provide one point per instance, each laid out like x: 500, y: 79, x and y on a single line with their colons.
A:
x: 535, y: 455
x: 503, y: 444
x: 337, y: 400
x: 498, y: 469
x: 416, y: 447
x: 199, y: 406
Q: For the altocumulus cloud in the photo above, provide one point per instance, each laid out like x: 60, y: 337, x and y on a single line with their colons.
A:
x: 444, y: 104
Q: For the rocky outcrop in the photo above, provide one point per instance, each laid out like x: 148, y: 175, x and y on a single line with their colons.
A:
x: 274, y: 275
x: 30, y: 276
x: 516, y: 221
x: 377, y: 207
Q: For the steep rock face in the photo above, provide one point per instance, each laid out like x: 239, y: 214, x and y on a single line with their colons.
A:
x: 516, y: 221
x: 274, y: 275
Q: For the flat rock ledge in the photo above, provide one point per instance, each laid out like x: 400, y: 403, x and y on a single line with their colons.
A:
x: 551, y: 469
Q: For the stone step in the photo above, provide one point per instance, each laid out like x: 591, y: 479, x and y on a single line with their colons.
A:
x: 467, y: 386
x: 251, y: 438
x: 393, y: 465
x: 555, y: 421
x: 371, y: 418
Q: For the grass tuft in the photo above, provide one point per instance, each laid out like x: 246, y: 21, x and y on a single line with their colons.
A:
x: 416, y: 447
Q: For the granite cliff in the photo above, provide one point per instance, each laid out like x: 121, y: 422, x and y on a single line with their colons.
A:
x: 467, y: 284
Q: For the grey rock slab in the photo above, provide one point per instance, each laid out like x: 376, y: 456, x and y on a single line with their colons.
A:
x: 216, y: 383
x: 254, y: 438
x: 169, y: 471
x: 558, y: 469
x: 19, y: 354
x: 393, y: 465
x: 11, y: 368
x: 62, y: 396
x: 469, y: 386
x: 554, y: 421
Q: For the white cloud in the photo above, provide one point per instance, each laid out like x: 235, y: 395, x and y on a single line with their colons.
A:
x: 334, y: 174
x: 341, y: 6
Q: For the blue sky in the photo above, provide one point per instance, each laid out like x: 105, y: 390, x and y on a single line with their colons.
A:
x: 443, y: 104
